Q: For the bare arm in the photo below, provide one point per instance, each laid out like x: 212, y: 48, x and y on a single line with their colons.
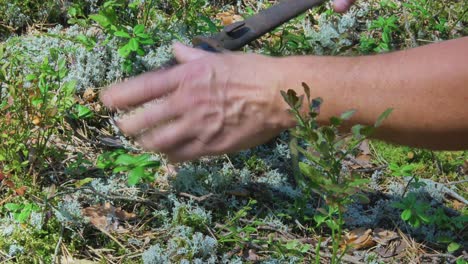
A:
x: 221, y: 103
x: 426, y: 86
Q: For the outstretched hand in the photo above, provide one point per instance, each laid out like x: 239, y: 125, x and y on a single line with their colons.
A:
x: 208, y: 104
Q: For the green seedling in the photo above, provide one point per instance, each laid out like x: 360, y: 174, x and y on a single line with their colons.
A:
x: 414, y: 211
x: 323, y: 173
x: 21, y: 212
x: 140, y: 168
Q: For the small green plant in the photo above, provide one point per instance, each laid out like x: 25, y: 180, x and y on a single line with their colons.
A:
x: 406, y: 171
x: 133, y: 36
x: 452, y: 246
x: 401, y: 171
x: 255, y: 164
x: 81, y: 112
x: 414, y: 211
x: 21, y: 212
x: 32, y: 108
x: 237, y: 234
x: 387, y: 26
x: 140, y: 168
x: 323, y: 173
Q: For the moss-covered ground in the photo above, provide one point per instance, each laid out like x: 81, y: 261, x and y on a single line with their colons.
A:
x: 74, y: 190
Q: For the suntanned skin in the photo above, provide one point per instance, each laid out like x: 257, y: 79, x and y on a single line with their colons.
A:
x: 221, y: 103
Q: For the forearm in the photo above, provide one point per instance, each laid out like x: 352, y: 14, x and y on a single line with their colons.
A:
x: 426, y: 86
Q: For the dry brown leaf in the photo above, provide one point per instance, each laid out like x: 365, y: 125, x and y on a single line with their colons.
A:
x: 228, y: 17
x: 9, y: 184
x: 252, y: 256
x: 99, y: 215
x: 364, y: 147
x: 89, y: 95
x: 21, y: 190
x: 36, y: 120
x: 124, y: 215
x: 457, y: 205
x: 362, y: 161
x: 394, y: 248
x: 383, y: 237
x: 359, y: 239
x: 96, y: 107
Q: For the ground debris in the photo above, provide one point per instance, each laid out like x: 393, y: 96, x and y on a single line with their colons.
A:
x: 106, y: 216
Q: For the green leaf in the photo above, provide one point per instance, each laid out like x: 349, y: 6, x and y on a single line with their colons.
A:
x: 328, y: 133
x: 358, y: 182
x: 348, y: 114
x: 141, y: 52
x: 386, y: 37
x: 125, y: 159
x: 424, y: 218
x: 444, y: 239
x: 13, y: 207
x: 336, y: 121
x: 149, y: 164
x: 122, y: 34
x: 138, y: 29
x: 146, y: 41
x: 366, y: 131
x: 30, y: 77
x: 291, y: 98
x: 83, y: 111
x: 211, y: 26
x: 102, y: 20
x: 406, y: 214
x: 135, y: 175
x: 142, y: 36
x: 319, y: 219
x: 307, y: 170
x: 82, y: 182
x: 383, y: 116
x: 133, y: 44
x: 356, y: 130
x: 452, y: 247
x: 124, y: 51
x: 305, y: 248
x: 332, y: 224
x: 293, y: 244
x: 119, y: 169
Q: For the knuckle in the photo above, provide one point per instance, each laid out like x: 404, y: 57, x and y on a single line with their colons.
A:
x: 198, y: 73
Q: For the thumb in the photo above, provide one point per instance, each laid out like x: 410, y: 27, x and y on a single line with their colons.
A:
x: 342, y: 6
x: 184, y: 53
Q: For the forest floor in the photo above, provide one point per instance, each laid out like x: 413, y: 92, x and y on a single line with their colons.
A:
x: 74, y: 190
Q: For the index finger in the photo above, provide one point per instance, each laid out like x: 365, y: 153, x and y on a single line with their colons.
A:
x: 141, y: 89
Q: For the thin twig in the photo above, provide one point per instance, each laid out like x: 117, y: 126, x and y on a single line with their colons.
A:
x: 456, y: 182
x: 439, y: 255
x: 196, y: 198
x: 57, y: 247
x: 112, y: 237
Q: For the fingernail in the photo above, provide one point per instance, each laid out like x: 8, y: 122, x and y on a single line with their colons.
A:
x: 340, y: 5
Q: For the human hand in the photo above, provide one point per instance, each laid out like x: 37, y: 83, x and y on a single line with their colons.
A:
x: 210, y: 104
x: 342, y: 6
